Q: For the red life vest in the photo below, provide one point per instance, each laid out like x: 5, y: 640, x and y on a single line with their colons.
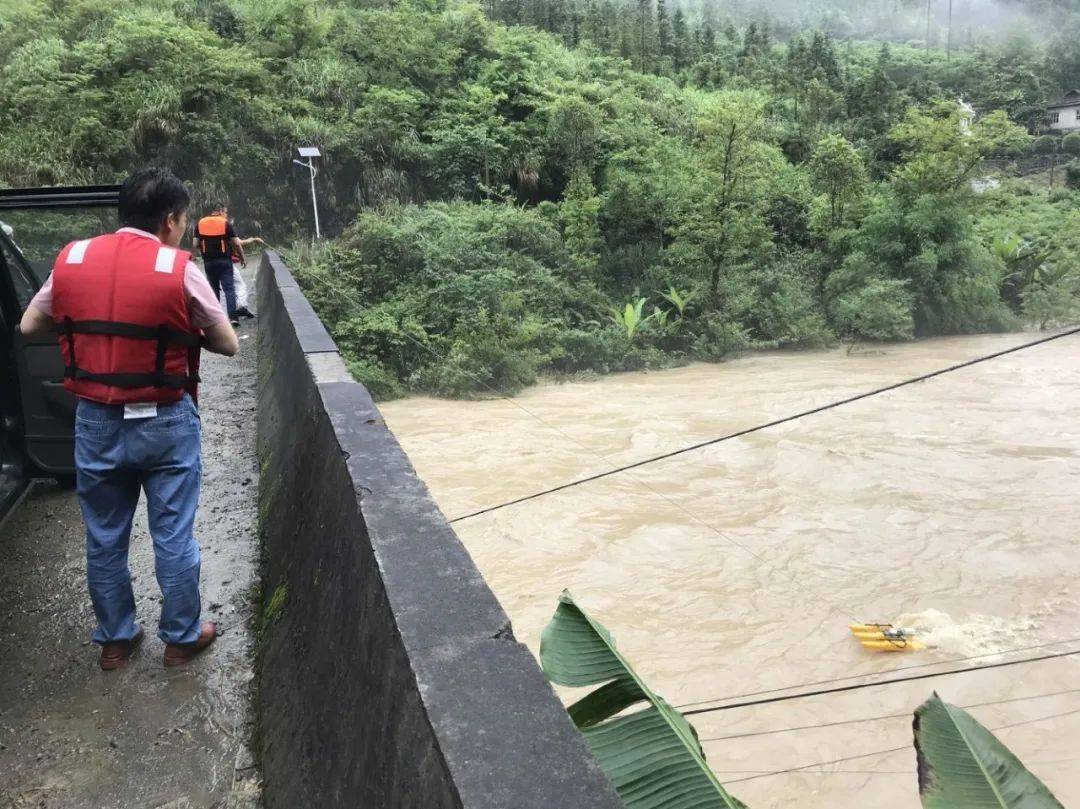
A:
x: 121, y: 310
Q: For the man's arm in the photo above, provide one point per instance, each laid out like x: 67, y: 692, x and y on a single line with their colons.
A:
x: 34, y: 322
x: 238, y: 247
x: 235, y: 243
x: 221, y: 339
x: 206, y: 313
x: 37, y: 319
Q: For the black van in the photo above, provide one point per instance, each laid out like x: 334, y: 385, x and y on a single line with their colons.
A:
x: 37, y: 416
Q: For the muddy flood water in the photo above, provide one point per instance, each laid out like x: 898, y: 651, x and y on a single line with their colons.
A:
x: 952, y: 505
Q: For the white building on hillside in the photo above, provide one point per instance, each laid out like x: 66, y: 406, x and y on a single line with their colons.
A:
x: 1064, y: 115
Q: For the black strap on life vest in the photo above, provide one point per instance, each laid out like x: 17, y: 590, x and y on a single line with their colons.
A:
x: 163, y: 335
x: 221, y: 246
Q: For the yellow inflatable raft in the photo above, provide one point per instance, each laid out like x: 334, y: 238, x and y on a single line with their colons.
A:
x: 886, y: 638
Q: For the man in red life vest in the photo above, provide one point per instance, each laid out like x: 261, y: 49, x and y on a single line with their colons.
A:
x: 132, y: 312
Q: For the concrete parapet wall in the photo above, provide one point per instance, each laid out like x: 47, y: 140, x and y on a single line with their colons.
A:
x: 389, y: 675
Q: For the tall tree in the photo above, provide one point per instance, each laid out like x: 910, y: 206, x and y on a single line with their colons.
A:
x: 579, y: 215
x: 728, y: 221
x: 663, y: 30
x: 941, y: 155
x: 680, y: 40
x: 928, y: 2
x: 839, y: 176
x: 948, y: 40
x: 708, y: 39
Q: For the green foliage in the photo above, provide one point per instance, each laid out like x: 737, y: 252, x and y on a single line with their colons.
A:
x: 1070, y: 144
x: 679, y: 299
x: 880, y: 309
x: 652, y: 757
x: 1021, y: 259
x: 839, y: 176
x: 942, y: 152
x: 783, y: 309
x: 498, y: 190
x: 450, y: 297
x: 276, y: 607
x: 629, y: 318
x: 962, y: 764
x: 1048, y: 226
x: 1044, y: 144
x: 926, y: 247
x: 580, y: 217
x: 1052, y: 297
x: 1072, y: 175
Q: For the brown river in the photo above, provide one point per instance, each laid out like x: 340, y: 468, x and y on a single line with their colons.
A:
x: 952, y: 505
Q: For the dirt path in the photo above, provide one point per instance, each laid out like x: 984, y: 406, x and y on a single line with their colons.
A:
x: 75, y: 737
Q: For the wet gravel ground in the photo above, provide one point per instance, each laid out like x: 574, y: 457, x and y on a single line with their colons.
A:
x: 76, y: 737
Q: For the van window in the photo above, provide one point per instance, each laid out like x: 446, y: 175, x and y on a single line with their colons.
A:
x: 22, y: 280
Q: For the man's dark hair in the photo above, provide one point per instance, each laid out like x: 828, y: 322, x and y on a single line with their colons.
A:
x: 148, y: 196
x: 219, y: 205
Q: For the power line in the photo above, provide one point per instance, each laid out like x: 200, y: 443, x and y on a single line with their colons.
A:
x: 821, y: 772
x: 701, y: 521
x: 884, y: 772
x: 889, y: 750
x: 876, y: 673
x: 893, y: 681
x: 645, y: 484
x: 881, y: 718
x: 739, y: 433
x: 791, y: 578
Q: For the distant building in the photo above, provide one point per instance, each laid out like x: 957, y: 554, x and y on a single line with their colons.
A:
x: 1064, y: 115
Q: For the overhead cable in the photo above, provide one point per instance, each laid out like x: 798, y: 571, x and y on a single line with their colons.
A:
x: 846, y: 677
x: 739, y: 433
x: 879, y: 683
x: 881, y: 718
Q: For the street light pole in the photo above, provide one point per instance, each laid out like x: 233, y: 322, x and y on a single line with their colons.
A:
x: 311, y: 152
x: 314, y: 201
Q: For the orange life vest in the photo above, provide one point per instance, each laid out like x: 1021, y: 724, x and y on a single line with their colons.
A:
x: 121, y: 310
x: 212, y: 239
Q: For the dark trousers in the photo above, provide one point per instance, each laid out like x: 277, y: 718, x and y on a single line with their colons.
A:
x: 219, y: 272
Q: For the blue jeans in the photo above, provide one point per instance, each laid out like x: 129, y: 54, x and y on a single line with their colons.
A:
x: 115, y: 458
x: 219, y: 272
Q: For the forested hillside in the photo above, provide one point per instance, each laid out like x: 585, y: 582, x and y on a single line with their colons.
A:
x: 636, y: 184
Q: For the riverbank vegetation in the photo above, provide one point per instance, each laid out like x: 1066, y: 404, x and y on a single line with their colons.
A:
x: 557, y: 186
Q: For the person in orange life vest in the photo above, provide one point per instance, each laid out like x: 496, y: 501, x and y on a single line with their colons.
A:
x: 242, y: 309
x: 217, y: 241
x: 132, y: 312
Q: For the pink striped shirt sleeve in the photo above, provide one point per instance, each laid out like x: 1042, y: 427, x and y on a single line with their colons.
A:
x: 204, y: 308
x: 42, y: 301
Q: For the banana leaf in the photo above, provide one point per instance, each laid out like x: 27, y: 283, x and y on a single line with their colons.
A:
x: 652, y: 757
x: 962, y: 765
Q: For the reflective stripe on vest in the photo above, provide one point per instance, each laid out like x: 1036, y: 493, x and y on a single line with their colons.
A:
x: 121, y: 309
